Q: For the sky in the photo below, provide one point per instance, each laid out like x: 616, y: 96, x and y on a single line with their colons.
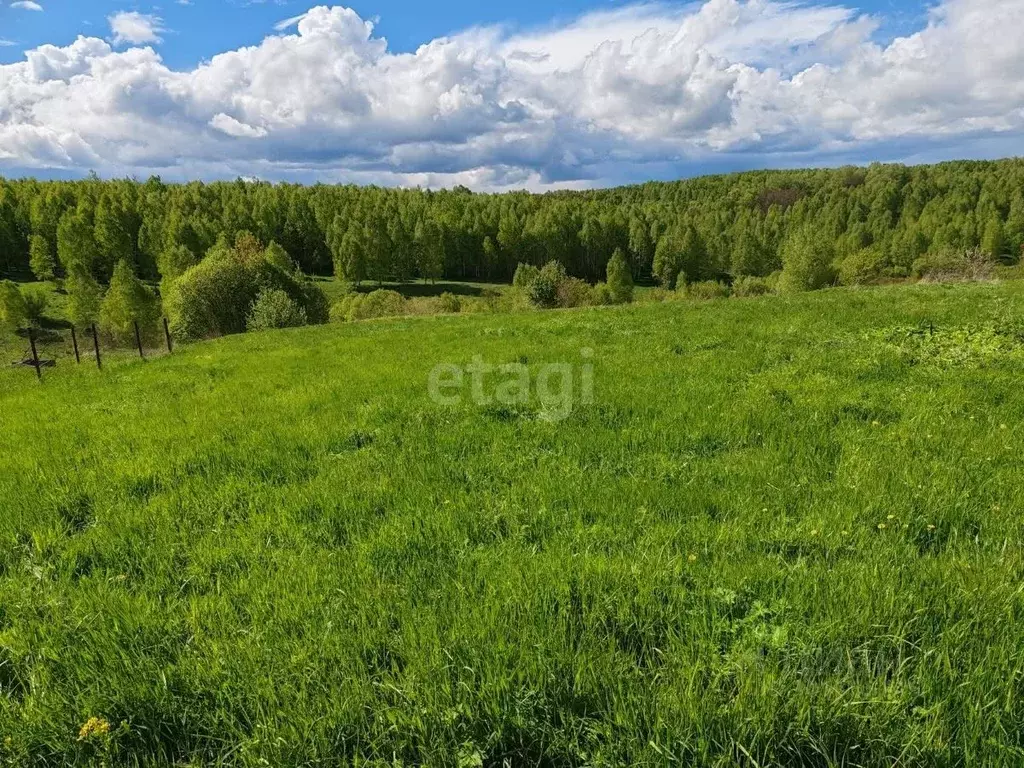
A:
x: 496, y: 96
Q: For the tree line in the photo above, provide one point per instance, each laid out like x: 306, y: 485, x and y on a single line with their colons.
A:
x: 847, y: 225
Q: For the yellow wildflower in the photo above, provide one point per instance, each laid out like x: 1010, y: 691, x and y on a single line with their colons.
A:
x: 94, y: 726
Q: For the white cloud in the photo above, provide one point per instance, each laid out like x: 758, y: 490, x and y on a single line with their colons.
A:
x: 134, y: 28
x: 4, y: 43
x: 27, y: 5
x: 228, y: 125
x: 281, y: 26
x: 620, y: 95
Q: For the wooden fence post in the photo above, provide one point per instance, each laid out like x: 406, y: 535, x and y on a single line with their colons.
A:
x: 138, y: 339
x: 167, y: 335
x: 74, y: 342
x: 35, y: 354
x: 96, y: 346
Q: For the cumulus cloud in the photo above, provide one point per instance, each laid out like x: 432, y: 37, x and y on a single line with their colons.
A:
x: 614, y: 96
x: 27, y: 5
x: 134, y: 28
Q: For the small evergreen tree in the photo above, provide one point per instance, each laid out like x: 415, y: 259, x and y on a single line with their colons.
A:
x: 41, y: 260
x: 84, y: 296
x: 13, y: 311
x: 127, y: 302
x: 620, y: 281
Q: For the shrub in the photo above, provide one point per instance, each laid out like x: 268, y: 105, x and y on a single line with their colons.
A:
x: 449, y: 303
x: 806, y: 263
x: 543, y: 291
x: 573, y: 292
x: 127, y: 302
x: 274, y: 308
x: 620, y: 280
x: 37, y: 299
x: 863, y: 266
x: 380, y: 303
x: 13, y: 312
x: 706, y: 290
x: 525, y: 275
x: 949, y: 265
x: 366, y: 306
x: 747, y: 285
x: 601, y: 295
x: 216, y: 296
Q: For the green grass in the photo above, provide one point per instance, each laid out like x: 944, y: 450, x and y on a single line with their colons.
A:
x: 786, y: 532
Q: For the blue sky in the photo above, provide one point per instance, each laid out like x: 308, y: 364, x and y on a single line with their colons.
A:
x: 203, y: 28
x: 499, y: 95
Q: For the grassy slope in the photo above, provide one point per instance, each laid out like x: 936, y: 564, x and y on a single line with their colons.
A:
x: 276, y: 547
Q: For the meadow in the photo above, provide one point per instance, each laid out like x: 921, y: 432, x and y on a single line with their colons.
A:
x: 786, y: 531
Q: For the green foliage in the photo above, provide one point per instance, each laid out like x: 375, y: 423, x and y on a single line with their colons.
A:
x: 525, y: 275
x: 806, y: 262
x: 864, y: 266
x: 993, y: 242
x: 620, y: 280
x: 274, y: 308
x: 215, y: 297
x: 279, y: 257
x: 13, y: 309
x: 601, y: 295
x: 84, y: 297
x: 748, y: 285
x: 127, y: 302
x: 367, y: 306
x: 573, y: 292
x: 41, y: 260
x: 952, y: 265
x: 174, y: 262
x: 711, y: 228
x: 37, y: 301
x: 449, y: 303
x: 543, y: 291
x: 705, y: 290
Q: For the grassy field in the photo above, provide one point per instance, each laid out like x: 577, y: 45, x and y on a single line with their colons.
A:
x: 785, y: 531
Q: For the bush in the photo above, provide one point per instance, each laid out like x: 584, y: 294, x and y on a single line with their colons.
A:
x: 601, y: 295
x: 215, y: 297
x: 806, y: 263
x: 366, y: 306
x: 37, y: 299
x: 863, y: 266
x: 525, y: 275
x: 573, y: 292
x: 543, y: 291
x: 449, y: 303
x: 13, y: 312
x: 706, y: 290
x: 274, y: 308
x: 747, y: 285
x: 620, y: 280
x: 949, y: 265
x: 127, y: 302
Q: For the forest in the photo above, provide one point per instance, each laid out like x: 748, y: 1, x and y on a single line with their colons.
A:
x: 848, y: 225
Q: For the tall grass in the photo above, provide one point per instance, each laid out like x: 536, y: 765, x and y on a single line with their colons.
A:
x: 787, y: 532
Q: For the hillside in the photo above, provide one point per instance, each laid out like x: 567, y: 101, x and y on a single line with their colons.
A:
x: 782, y: 530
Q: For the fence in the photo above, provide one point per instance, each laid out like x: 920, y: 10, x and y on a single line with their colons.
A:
x: 52, y: 341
